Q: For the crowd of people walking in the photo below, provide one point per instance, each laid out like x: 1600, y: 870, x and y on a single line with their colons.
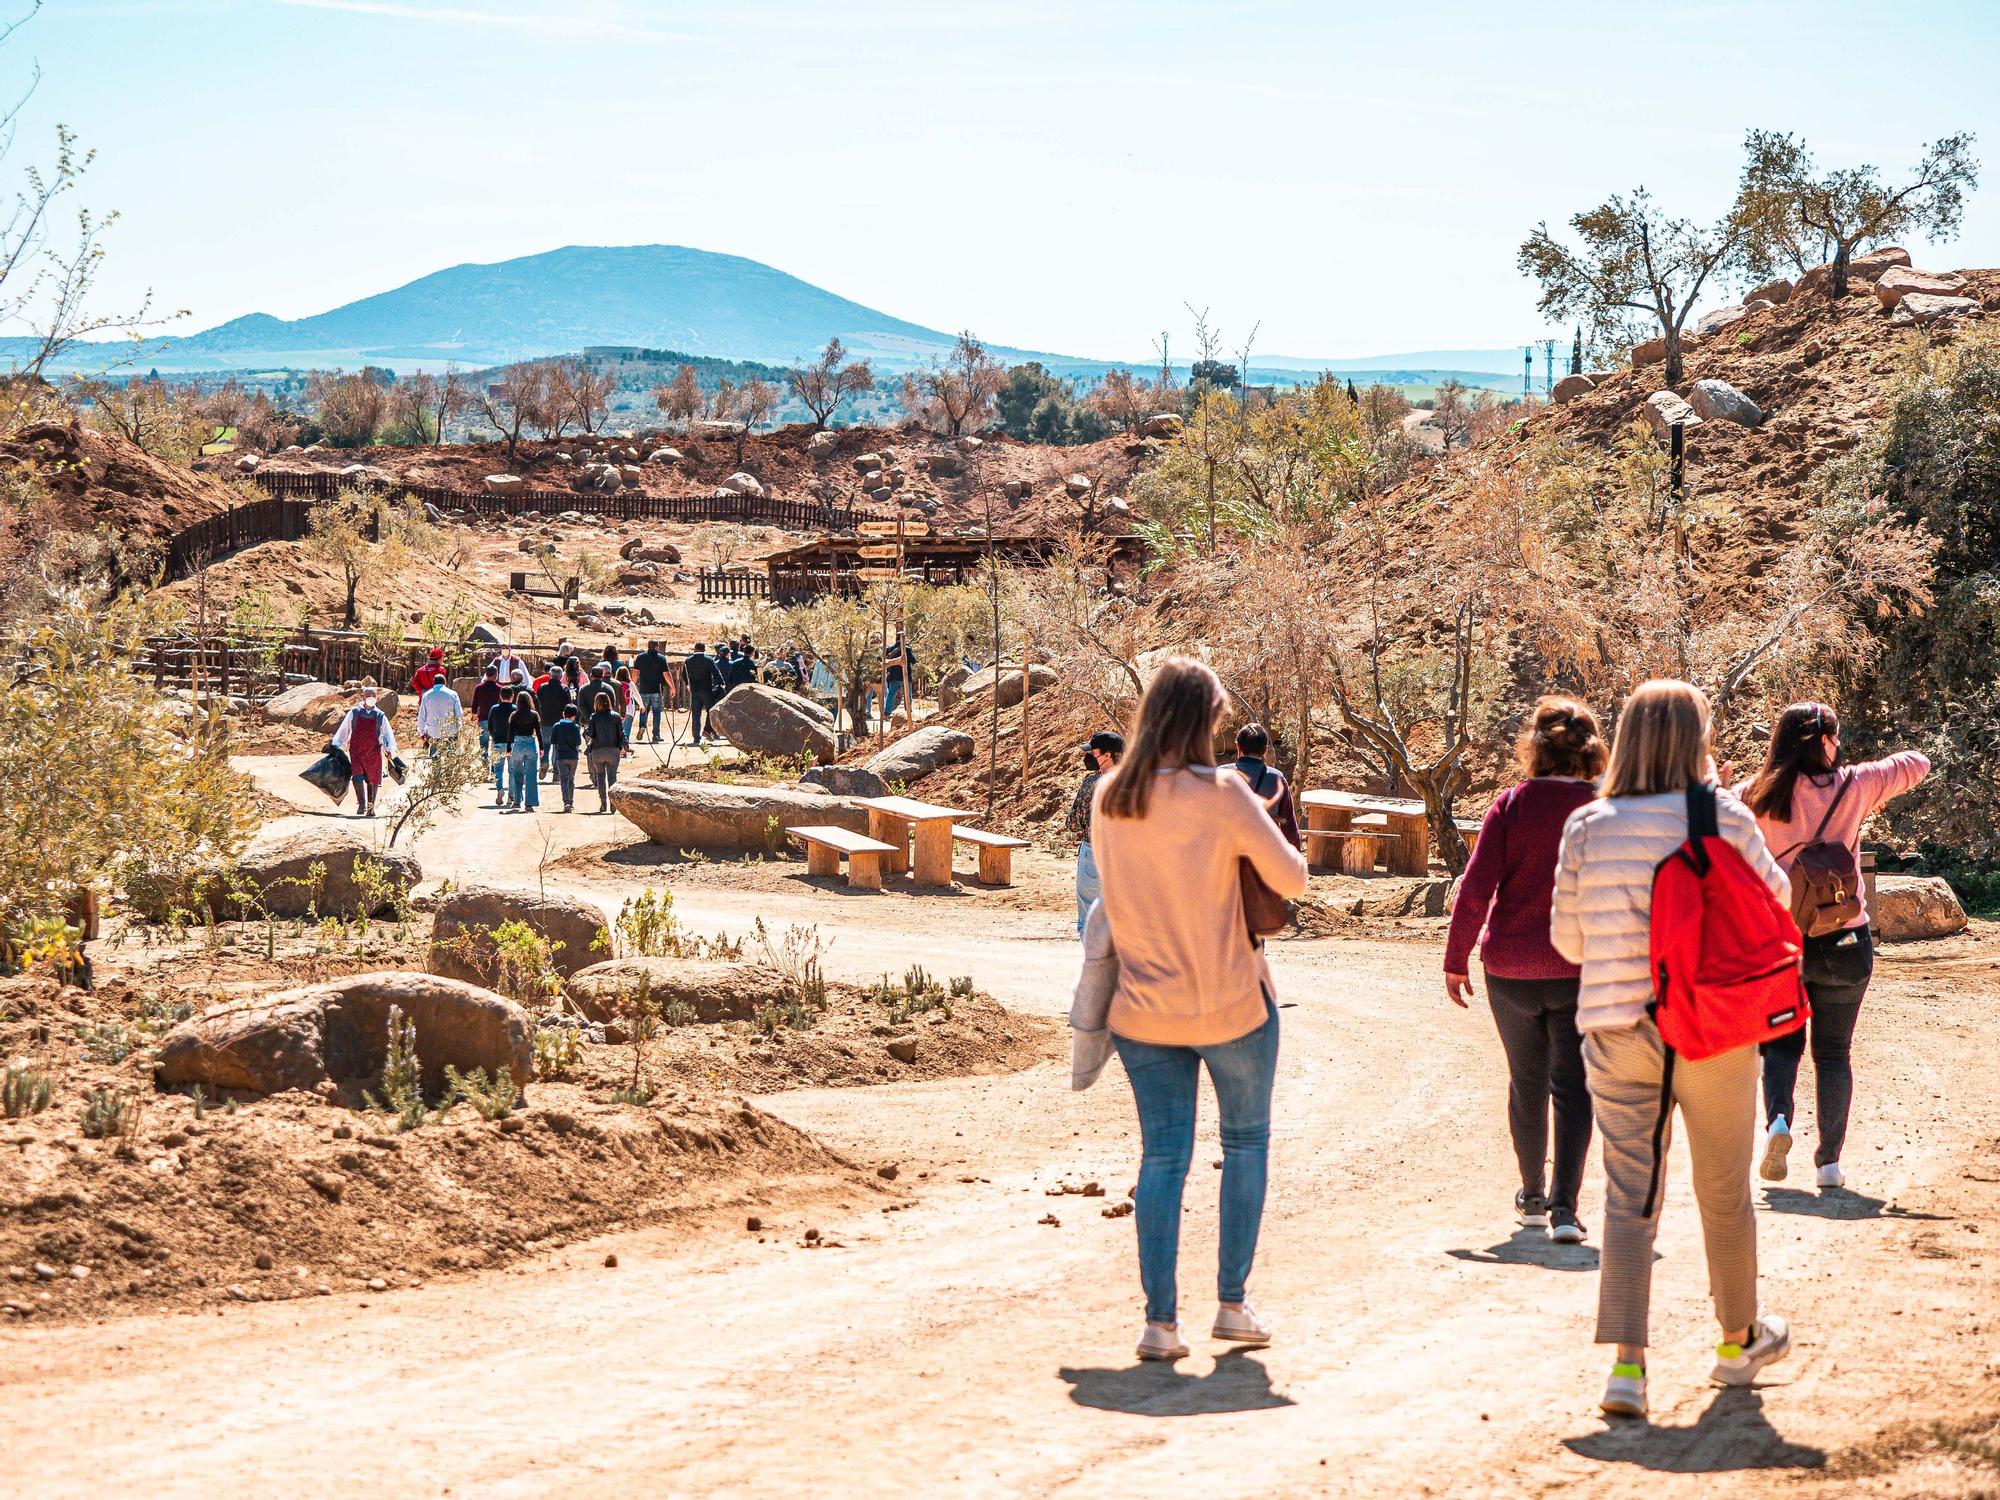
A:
x: 1559, y: 900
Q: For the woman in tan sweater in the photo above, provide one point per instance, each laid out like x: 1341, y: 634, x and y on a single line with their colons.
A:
x: 1171, y: 832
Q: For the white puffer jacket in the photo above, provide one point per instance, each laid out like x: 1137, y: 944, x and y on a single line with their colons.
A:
x: 1602, y: 916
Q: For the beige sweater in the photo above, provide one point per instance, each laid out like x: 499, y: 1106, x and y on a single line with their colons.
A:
x: 1187, y: 973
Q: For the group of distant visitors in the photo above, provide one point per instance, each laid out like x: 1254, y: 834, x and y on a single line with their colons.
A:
x: 1592, y: 885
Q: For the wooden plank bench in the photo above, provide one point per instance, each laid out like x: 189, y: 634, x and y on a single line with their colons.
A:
x: 996, y: 853
x: 1360, y: 848
x: 826, y: 845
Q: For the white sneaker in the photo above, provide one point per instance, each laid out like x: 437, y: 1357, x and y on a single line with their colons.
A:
x: 1162, y: 1341
x: 1241, y: 1325
x: 1830, y: 1176
x: 1777, y: 1142
x: 1738, y: 1364
x: 1625, y: 1391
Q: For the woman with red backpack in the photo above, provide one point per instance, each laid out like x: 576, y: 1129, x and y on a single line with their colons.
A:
x: 1810, y: 808
x: 1602, y: 920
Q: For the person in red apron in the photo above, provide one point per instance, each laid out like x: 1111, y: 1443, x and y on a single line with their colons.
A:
x: 369, y: 740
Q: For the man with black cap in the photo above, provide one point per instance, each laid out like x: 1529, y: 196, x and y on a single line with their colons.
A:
x: 1099, y: 756
x: 704, y: 681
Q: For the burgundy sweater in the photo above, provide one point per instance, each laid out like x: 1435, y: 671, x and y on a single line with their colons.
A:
x: 1509, y: 884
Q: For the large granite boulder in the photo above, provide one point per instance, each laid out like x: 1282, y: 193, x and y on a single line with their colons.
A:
x: 1663, y: 409
x: 308, y: 699
x: 740, y: 483
x: 278, y: 868
x: 1717, y: 319
x: 915, y: 756
x: 951, y: 686
x: 1162, y: 424
x: 1570, y: 387
x: 728, y: 819
x: 1718, y: 400
x: 1777, y: 289
x: 1906, y: 908
x: 297, y: 1039
x: 462, y: 930
x: 846, y: 781
x: 1898, y: 282
x: 1649, y: 351
x: 1040, y: 678
x: 1871, y: 266
x: 1922, y: 307
x: 714, y: 991
x: 770, y: 721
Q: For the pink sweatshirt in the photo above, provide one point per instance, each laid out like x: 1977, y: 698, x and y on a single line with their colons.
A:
x: 1874, y: 783
x: 1187, y: 973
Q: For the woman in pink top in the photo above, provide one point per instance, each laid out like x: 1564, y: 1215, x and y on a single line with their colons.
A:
x: 1804, y: 795
x: 1171, y: 833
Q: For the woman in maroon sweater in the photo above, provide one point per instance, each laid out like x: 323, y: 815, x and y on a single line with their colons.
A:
x: 1507, y: 890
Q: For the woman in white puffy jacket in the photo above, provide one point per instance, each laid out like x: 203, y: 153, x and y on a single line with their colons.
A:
x: 1601, y: 920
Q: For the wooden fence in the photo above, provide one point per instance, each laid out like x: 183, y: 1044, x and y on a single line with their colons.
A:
x: 283, y: 516
x: 719, y: 585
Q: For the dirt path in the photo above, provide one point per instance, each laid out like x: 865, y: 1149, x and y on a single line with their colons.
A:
x: 962, y: 1348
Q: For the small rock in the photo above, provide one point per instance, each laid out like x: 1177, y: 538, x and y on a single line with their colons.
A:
x: 1117, y: 1210
x: 264, y: 1261
x: 903, y: 1049
x: 1051, y: 1220
x: 811, y: 1235
x: 1093, y: 1190
x: 343, y: 1132
x: 888, y: 1171
x: 377, y: 1284
x: 46, y: 1271
x: 241, y: 1294
x: 611, y: 1262
x: 753, y: 1223
x: 81, y: 1273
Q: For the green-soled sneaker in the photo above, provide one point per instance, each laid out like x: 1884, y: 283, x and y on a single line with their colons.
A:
x: 1625, y: 1391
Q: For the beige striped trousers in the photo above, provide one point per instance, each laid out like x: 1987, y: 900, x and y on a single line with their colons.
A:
x: 1717, y: 1102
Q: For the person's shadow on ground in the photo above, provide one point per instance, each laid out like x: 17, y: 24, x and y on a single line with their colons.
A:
x: 1532, y: 1247
x: 1157, y: 1388
x: 1838, y: 1203
x: 1731, y: 1433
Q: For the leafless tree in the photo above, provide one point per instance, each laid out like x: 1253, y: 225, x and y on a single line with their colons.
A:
x: 826, y: 381
x: 581, y: 391
x: 957, y: 395
x: 680, y: 399
x: 519, y: 398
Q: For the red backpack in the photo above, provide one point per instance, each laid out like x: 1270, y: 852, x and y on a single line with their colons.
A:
x: 1725, y: 955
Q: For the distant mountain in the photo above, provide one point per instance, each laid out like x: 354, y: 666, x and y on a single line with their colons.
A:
x: 1458, y: 361
x: 661, y: 296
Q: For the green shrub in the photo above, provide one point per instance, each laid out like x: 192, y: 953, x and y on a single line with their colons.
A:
x: 25, y: 1091
x: 493, y: 1100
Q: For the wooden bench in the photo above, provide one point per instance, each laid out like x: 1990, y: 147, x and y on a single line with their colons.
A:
x: 996, y: 853
x: 1360, y: 848
x: 827, y: 844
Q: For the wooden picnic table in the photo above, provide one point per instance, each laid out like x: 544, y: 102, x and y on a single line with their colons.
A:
x: 904, y: 822
x: 1329, y: 811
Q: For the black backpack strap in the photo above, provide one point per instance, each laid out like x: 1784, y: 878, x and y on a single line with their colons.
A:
x: 1702, y: 823
x: 1660, y: 1137
x: 1820, y: 832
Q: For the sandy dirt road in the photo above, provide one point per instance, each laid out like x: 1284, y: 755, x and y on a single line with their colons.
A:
x: 960, y: 1347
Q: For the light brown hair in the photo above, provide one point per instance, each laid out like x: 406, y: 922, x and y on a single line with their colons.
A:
x: 1662, y: 740
x: 1176, y: 727
x: 1562, y: 739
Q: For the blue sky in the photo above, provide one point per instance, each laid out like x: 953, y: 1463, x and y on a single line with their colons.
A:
x: 1058, y: 176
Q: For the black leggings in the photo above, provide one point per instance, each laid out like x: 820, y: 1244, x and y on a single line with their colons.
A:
x: 1838, y: 967
x: 1537, y: 1021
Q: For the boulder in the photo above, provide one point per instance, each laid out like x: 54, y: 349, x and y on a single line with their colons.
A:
x: 295, y: 704
x: 248, y: 463
x: 915, y: 756
x: 728, y: 819
x: 1758, y: 304
x: 770, y: 721
x: 631, y: 474
x: 489, y: 635
x: 461, y: 930
x: 715, y: 991
x: 505, y: 484
x: 1040, y: 678
x: 1869, y: 267
x: 740, y: 483
x: 1718, y: 400
x: 719, y: 430
x: 279, y: 862
x: 1078, y: 485
x: 297, y: 1039
x: 822, y: 442
x: 951, y: 686
x: 1652, y: 351
x: 1717, y: 320
x: 1776, y: 290
x: 1898, y: 281
x: 1905, y: 908
x: 658, y: 552
x: 864, y: 462
x: 1016, y: 489
x: 1817, y: 282
x: 665, y: 456
x: 1922, y: 307
x: 1162, y: 424
x: 1663, y: 409
x: 846, y: 781
x: 946, y: 465
x: 971, y: 444
x: 1570, y: 387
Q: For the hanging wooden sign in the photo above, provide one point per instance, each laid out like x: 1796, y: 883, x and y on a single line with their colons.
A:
x: 880, y: 550
x: 876, y: 528
x: 878, y: 575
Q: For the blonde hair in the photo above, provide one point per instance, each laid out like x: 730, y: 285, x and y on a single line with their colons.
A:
x: 1662, y: 740
x: 1176, y: 727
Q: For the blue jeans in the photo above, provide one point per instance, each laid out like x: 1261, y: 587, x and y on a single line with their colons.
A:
x: 524, y: 759
x: 1164, y: 1085
x: 654, y: 704
x: 1088, y: 886
x: 499, y: 753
